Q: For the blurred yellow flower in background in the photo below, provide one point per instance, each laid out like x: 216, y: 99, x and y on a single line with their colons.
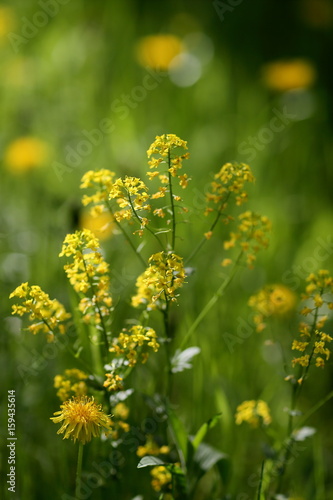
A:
x: 317, y: 13
x: 102, y: 225
x: 25, y: 154
x: 287, y: 75
x: 157, y: 51
x: 273, y: 300
x: 254, y: 413
x: 7, y: 21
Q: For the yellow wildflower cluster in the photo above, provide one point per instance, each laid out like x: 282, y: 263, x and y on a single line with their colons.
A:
x: 254, y: 413
x: 101, y: 181
x: 272, y: 300
x: 131, y: 342
x: 131, y: 197
x: 47, y: 315
x: 161, y: 478
x: 152, y: 448
x: 71, y: 383
x: 88, y: 273
x: 251, y: 236
x: 318, y: 299
x: 113, y: 382
x: 229, y: 180
x: 81, y: 419
x: 160, y: 280
x: 120, y: 414
x: 164, y: 147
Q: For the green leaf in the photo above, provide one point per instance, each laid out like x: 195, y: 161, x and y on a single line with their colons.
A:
x: 180, y: 435
x: 148, y: 461
x: 178, y: 480
x: 198, y: 438
x: 181, y: 359
x: 206, y: 457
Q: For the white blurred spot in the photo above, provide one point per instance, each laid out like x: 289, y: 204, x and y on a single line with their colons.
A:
x: 185, y: 70
x: 299, y: 102
x: 199, y: 45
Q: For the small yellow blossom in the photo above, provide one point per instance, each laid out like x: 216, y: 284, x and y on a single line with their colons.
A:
x: 81, y: 419
x: 254, y: 413
x: 113, y: 382
x: 151, y: 448
x: 161, y: 478
x: 71, y: 383
x: 25, y: 154
x: 132, y: 344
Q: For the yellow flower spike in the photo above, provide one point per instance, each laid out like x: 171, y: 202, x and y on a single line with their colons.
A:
x: 82, y: 419
x: 131, y: 342
x: 160, y: 281
x: 47, y: 315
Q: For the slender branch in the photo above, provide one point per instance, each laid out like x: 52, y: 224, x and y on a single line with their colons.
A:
x: 128, y: 239
x: 219, y: 292
x: 172, y: 204
x: 204, y: 240
x: 140, y: 221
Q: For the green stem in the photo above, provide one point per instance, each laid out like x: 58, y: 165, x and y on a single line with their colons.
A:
x: 140, y: 221
x: 79, y: 472
x: 261, y: 479
x: 106, y: 342
x: 128, y: 239
x: 172, y: 205
x: 219, y: 292
x: 204, y: 240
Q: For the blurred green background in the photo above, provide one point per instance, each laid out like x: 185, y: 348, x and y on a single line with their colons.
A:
x: 88, y: 85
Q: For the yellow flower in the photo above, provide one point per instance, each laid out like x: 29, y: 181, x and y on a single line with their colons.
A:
x: 254, y: 413
x: 161, y: 478
x: 288, y: 75
x: 273, y: 300
x: 47, y: 315
x: 72, y: 381
x: 102, y: 225
x: 160, y: 281
x: 250, y: 235
x: 151, y: 448
x: 131, y: 342
x: 81, y: 419
x: 88, y: 274
x: 25, y: 154
x: 157, y: 51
